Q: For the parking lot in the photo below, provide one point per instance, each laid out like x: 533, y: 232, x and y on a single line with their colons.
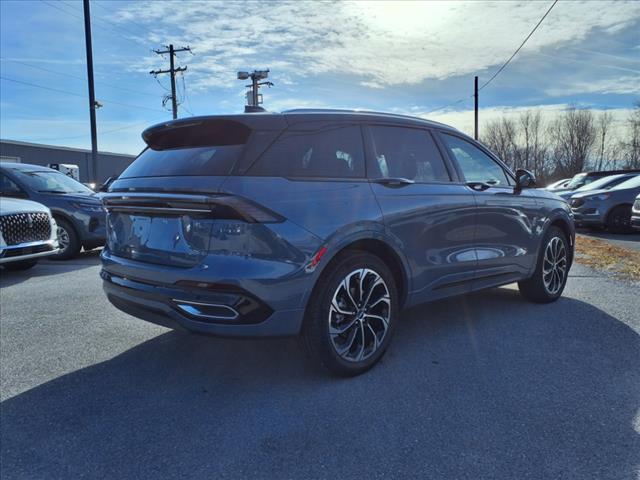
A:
x: 488, y: 386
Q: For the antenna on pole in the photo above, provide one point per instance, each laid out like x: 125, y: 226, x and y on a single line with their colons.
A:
x: 254, y: 98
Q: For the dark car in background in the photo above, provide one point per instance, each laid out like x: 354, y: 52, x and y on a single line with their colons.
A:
x: 604, y: 183
x: 585, y: 178
x: 635, y: 214
x: 607, y: 208
x: 77, y: 210
x: 558, y: 184
x: 324, y: 224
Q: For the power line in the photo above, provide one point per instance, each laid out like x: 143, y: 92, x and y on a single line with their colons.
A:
x: 98, y: 4
x: 520, y: 47
x: 84, y: 135
x: 77, y: 94
x: 107, y: 25
x: 449, y: 104
x: 76, y: 77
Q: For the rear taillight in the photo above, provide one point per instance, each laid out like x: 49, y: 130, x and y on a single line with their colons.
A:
x: 227, y: 207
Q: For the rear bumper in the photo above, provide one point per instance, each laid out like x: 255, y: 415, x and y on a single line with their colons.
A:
x: 161, y: 310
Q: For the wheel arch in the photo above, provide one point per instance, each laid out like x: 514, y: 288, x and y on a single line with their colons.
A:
x: 564, y: 225
x: 378, y: 247
x: 61, y: 214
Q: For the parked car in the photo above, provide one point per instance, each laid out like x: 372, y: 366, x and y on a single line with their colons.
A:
x: 585, y: 178
x: 78, y: 212
x: 324, y: 224
x: 27, y: 233
x: 558, y: 184
x: 606, y: 208
x: 604, y: 183
x: 635, y: 214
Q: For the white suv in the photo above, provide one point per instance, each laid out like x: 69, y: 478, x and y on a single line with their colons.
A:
x: 27, y: 232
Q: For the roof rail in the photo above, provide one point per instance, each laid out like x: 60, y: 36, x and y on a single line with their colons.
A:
x: 365, y: 112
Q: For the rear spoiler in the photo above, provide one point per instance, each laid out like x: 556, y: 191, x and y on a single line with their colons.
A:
x: 210, y: 131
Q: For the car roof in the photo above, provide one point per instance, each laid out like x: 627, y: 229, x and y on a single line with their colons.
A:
x: 275, y: 120
x: 26, y: 166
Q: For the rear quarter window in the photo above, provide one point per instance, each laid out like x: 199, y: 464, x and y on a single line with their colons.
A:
x: 333, y: 151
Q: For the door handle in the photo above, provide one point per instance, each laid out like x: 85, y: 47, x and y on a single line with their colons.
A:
x: 393, y: 182
x: 478, y: 186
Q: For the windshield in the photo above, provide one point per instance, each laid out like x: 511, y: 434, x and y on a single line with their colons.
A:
x: 577, y: 181
x: 604, y: 182
x: 631, y: 183
x: 50, y: 181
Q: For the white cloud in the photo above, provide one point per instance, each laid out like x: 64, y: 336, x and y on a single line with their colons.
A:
x: 618, y: 85
x: 383, y: 43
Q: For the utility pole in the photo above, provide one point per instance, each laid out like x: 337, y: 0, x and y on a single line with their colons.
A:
x: 172, y: 71
x: 92, y: 94
x: 475, y: 102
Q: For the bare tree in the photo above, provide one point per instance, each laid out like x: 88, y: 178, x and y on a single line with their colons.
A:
x: 604, y: 154
x: 531, y: 153
x: 500, y: 137
x: 631, y: 144
x: 572, y: 137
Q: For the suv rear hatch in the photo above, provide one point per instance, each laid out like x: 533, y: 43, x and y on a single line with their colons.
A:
x: 164, y: 206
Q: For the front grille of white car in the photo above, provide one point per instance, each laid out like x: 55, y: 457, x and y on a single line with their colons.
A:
x: 20, y: 228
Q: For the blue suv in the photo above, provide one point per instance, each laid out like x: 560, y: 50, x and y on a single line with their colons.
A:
x: 323, y: 224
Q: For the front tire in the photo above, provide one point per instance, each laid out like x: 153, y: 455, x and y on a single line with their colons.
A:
x: 68, y: 240
x: 552, y: 269
x: 619, y: 219
x: 352, y: 315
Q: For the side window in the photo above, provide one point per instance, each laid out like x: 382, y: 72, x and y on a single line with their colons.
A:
x: 475, y: 164
x: 9, y: 188
x: 332, y: 151
x: 407, y: 153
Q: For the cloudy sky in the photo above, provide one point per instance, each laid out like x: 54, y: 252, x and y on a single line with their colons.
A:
x: 408, y: 57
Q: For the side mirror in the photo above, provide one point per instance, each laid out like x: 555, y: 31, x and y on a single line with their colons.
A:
x: 525, y: 179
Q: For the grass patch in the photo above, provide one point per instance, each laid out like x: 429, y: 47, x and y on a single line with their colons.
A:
x: 601, y: 255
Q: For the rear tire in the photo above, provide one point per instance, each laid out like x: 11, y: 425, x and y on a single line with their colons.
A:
x: 68, y: 240
x: 552, y: 269
x: 20, y: 265
x: 352, y: 315
x: 619, y: 219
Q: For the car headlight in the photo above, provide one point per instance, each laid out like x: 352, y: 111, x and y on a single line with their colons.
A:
x: 89, y: 207
x: 602, y: 196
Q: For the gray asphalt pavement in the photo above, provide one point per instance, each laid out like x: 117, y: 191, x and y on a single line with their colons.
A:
x: 482, y: 387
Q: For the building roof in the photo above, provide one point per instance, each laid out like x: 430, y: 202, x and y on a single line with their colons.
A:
x: 57, y: 147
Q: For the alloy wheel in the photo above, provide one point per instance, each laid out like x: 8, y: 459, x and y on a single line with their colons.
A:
x: 359, y: 315
x: 554, y: 267
x: 63, y: 239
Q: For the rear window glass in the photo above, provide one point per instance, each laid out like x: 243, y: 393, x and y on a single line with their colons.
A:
x: 334, y: 152
x: 184, y: 161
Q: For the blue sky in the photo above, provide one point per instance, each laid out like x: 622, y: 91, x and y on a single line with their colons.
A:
x: 407, y: 57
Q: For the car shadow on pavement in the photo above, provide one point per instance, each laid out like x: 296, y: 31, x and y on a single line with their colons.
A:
x: 46, y: 267
x: 484, y: 386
